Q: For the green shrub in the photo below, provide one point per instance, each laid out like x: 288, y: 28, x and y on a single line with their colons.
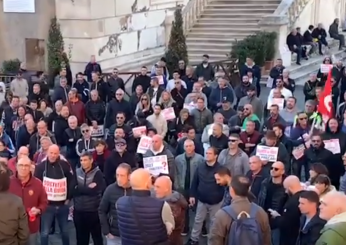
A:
x: 10, y: 66
x: 260, y: 46
x: 177, y: 49
x: 55, y: 48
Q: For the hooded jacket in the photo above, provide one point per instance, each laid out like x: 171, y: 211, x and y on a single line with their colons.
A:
x: 334, y: 232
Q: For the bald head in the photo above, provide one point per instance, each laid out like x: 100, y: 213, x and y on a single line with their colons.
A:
x: 53, y: 153
x: 163, y: 187
x: 140, y: 179
x: 157, y: 142
x: 23, y: 152
x: 24, y: 160
x: 292, y: 184
x: 333, y: 203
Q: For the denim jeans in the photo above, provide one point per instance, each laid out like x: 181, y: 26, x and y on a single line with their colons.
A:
x: 33, y: 239
x: 60, y: 213
x: 113, y: 241
x: 276, y: 237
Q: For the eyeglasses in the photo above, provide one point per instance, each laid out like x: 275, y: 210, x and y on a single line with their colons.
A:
x: 274, y: 168
x: 85, y: 131
x: 303, y: 118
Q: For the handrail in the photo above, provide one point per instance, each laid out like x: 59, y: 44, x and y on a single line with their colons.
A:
x: 191, y: 12
x: 291, y: 9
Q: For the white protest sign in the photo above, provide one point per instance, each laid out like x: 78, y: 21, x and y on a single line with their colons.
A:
x: 332, y: 145
x: 142, y: 130
x: 298, y: 151
x: 156, y: 165
x: 270, y: 82
x: 276, y: 101
x: 266, y: 153
x: 168, y: 113
x: 325, y: 68
x: 56, y: 189
x: 97, y: 132
x: 161, y: 81
x: 144, y: 144
x: 190, y: 106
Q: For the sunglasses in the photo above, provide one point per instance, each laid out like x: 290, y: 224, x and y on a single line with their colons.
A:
x: 275, y: 169
x: 232, y: 140
x: 85, y: 131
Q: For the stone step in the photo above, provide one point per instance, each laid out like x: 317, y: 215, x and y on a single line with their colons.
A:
x: 205, y: 45
x: 212, y: 39
x: 214, y: 51
x: 232, y: 11
x: 242, y: 6
x: 197, y: 58
x: 228, y: 21
x: 226, y: 15
x: 216, y: 34
x: 230, y: 29
x: 226, y: 2
x: 226, y: 25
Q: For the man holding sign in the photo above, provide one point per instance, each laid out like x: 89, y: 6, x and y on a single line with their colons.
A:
x: 159, y: 153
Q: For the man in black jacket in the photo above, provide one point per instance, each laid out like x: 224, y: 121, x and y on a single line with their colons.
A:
x: 294, y: 43
x: 143, y: 79
x: 256, y: 175
x: 91, y: 67
x: 205, y: 69
x: 310, y: 222
x: 205, y: 193
x: 87, y: 197
x: 59, y: 183
x: 108, y: 209
x: 272, y: 196
x: 288, y: 221
x: 320, y: 33
x: 101, y: 86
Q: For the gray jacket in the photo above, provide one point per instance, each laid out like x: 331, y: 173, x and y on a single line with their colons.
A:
x: 237, y: 164
x: 180, y: 166
x: 256, y: 103
x: 343, y: 183
x: 202, y: 119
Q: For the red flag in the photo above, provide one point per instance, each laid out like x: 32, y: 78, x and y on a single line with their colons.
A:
x: 325, y: 101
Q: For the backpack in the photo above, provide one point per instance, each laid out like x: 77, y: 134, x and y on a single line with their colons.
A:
x: 244, y: 228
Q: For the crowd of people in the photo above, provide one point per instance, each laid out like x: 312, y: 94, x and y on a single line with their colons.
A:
x: 131, y: 171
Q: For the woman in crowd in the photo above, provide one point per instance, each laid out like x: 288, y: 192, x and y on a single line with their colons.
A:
x: 167, y: 101
x: 17, y: 122
x: 323, y: 185
x: 316, y: 169
x: 333, y: 133
x: 100, y: 154
x: 144, y: 106
x: 46, y: 110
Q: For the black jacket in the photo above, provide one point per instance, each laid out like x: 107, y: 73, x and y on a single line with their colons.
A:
x: 256, y: 181
x: 319, y: 33
x: 92, y: 67
x: 115, y: 106
x: 71, y: 136
x: 102, y: 88
x: 320, y: 155
x: 57, y: 170
x: 95, y: 111
x: 289, y: 221
x: 144, y: 81
x: 179, y: 96
x: 35, y: 145
x: 114, y: 161
x: 219, y: 143
x: 108, y: 209
x: 307, y: 37
x: 60, y: 125
x: 82, y: 90
x: 309, y: 234
x: 114, y: 84
x: 206, y: 72
x: 36, y: 114
x: 198, y: 147
x: 86, y: 199
x: 61, y: 93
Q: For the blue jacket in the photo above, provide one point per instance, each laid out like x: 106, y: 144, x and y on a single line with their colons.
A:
x: 8, y: 142
x: 218, y: 94
x: 139, y: 219
x: 83, y: 90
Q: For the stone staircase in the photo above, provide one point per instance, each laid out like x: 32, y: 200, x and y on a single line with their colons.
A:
x: 222, y: 22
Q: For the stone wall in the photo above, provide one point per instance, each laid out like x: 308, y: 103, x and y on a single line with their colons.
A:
x: 115, y: 31
x: 24, y: 35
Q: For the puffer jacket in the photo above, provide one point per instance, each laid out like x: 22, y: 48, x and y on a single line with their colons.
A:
x: 107, y: 209
x: 88, y: 199
x: 178, y: 204
x: 95, y: 111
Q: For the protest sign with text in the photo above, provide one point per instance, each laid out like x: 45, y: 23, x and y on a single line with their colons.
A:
x: 156, y: 165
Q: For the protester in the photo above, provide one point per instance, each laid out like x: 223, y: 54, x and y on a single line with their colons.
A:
x: 143, y: 214
x: 86, y: 200
x: 223, y: 226
x: 58, y: 180
x: 178, y: 204
x: 108, y: 205
x: 14, y: 227
x: 33, y: 194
